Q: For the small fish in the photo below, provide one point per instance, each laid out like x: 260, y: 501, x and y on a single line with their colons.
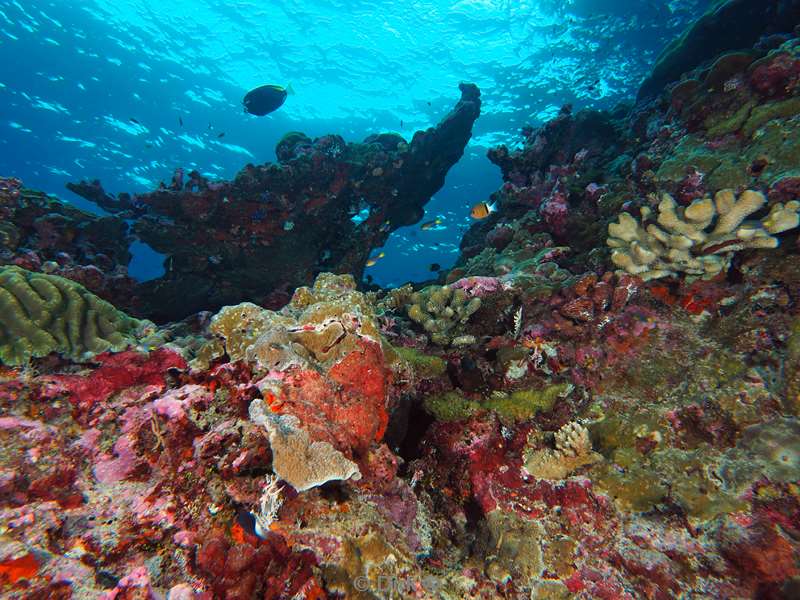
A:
x: 401, y: 123
x: 265, y: 99
x: 221, y: 135
x: 374, y: 260
x: 132, y: 120
x: 180, y: 121
x: 430, y: 224
x: 435, y: 267
x: 482, y: 210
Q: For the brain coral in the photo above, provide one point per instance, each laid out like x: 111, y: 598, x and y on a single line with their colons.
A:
x: 40, y: 314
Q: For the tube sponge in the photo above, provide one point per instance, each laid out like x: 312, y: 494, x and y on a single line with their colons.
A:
x: 40, y: 314
x: 679, y: 240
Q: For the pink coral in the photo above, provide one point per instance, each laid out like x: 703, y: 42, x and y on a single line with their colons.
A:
x: 479, y: 286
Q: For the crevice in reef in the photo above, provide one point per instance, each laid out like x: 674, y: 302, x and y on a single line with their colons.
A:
x: 410, y: 449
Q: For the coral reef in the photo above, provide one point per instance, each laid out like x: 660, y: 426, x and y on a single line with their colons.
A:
x: 728, y: 25
x: 441, y: 311
x: 41, y: 233
x: 40, y: 314
x: 541, y: 426
x: 276, y: 226
x: 680, y: 240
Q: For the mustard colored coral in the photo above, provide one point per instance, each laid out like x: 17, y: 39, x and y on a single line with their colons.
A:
x: 40, y: 314
x: 698, y: 240
x: 323, y: 322
x: 573, y: 449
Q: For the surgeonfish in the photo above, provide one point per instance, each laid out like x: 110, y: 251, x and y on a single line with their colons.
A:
x: 265, y: 99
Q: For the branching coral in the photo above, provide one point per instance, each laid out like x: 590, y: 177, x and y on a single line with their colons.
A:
x: 679, y: 240
x: 442, y: 311
x: 573, y: 449
x: 268, y: 505
x: 40, y: 314
x: 297, y: 460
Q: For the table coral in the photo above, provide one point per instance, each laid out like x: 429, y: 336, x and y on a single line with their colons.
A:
x: 679, y: 241
x: 297, y: 460
x: 40, y: 314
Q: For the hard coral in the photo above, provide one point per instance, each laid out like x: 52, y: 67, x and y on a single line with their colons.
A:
x: 679, y: 241
x: 573, y: 449
x: 295, y: 458
x: 40, y: 314
x: 442, y: 311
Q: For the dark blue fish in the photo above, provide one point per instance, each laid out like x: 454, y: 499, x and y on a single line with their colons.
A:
x: 265, y: 99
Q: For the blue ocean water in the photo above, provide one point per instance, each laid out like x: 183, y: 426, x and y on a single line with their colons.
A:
x: 126, y: 91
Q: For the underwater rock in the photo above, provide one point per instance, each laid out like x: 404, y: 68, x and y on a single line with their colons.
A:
x: 41, y: 233
x: 275, y: 226
x: 728, y: 25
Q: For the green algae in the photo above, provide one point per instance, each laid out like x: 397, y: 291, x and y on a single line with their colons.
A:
x: 720, y: 125
x: 640, y: 483
x: 423, y: 365
x: 450, y: 406
x: 792, y: 368
x: 525, y: 404
x: 764, y: 113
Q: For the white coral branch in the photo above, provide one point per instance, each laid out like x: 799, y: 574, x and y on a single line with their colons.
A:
x: 269, y: 504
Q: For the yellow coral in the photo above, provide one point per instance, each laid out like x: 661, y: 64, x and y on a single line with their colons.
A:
x: 441, y: 311
x: 325, y: 321
x: 573, y: 449
x: 681, y: 243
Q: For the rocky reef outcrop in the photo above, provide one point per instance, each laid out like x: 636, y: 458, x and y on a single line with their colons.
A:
x: 322, y: 207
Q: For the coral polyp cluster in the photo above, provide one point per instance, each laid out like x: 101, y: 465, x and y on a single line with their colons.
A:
x: 442, y: 311
x: 682, y: 239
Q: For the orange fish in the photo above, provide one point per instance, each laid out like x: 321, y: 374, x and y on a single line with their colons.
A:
x: 374, y: 260
x: 482, y: 210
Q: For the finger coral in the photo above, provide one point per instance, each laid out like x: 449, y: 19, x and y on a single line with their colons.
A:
x: 682, y: 240
x: 442, y: 311
x: 297, y: 460
x: 573, y: 449
x: 40, y: 314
